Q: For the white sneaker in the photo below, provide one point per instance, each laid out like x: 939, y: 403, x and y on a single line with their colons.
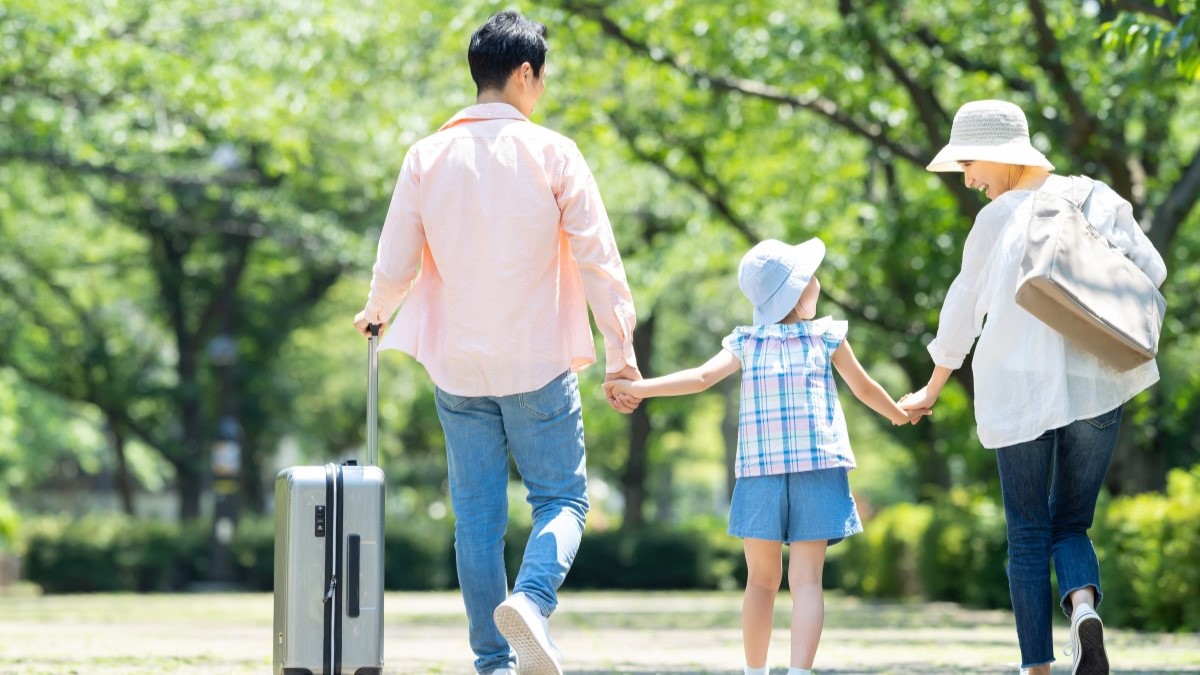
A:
x: 503, y: 671
x: 1087, y: 643
x: 528, y: 633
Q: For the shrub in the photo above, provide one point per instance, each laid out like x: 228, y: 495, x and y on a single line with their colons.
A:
x: 1148, y: 545
x: 882, y: 561
x: 963, y: 551
x: 418, y: 557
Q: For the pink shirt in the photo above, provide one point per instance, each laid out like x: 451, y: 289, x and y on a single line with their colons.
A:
x: 495, y: 242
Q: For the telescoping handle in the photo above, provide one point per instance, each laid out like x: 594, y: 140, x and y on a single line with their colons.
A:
x: 373, y: 395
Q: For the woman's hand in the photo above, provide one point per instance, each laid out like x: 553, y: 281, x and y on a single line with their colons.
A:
x: 918, y: 404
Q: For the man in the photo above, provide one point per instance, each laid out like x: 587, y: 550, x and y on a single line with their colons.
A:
x: 496, y: 241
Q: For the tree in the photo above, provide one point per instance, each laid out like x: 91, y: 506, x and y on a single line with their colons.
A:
x: 217, y: 158
x: 819, y: 120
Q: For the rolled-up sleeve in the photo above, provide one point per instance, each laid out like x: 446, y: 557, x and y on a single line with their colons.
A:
x: 586, y: 224
x: 965, y: 306
x: 400, y: 245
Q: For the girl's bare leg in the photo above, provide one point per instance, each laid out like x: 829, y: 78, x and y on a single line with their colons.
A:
x: 764, y: 572
x: 808, y: 600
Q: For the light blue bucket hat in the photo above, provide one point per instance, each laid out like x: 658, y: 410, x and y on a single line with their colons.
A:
x: 774, y: 274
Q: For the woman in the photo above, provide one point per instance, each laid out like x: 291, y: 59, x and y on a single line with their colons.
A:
x: 1050, y: 410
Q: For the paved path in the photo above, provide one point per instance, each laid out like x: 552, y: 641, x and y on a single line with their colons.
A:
x: 601, y: 633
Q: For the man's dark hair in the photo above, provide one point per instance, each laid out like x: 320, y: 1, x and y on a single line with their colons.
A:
x: 501, y: 45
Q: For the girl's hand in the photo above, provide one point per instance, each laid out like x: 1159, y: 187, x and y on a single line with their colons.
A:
x: 629, y: 401
x: 619, y: 393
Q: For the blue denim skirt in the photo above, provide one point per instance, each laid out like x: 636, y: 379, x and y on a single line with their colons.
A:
x: 805, y: 506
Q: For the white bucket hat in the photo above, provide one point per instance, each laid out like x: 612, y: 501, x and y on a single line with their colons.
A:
x: 992, y: 131
x: 774, y: 274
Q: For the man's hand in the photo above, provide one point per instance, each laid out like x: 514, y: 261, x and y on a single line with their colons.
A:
x: 362, y: 325
x: 622, y: 404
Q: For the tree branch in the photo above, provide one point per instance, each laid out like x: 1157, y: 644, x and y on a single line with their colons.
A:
x: 706, y: 185
x: 932, y: 115
x: 925, y: 36
x: 1165, y: 221
x: 1050, y: 59
x: 1150, y: 9
x: 820, y: 105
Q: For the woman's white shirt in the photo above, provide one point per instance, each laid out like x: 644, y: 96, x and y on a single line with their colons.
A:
x: 1028, y: 377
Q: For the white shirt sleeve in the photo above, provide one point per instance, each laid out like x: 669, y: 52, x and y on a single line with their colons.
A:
x: 1112, y: 217
x: 966, y: 303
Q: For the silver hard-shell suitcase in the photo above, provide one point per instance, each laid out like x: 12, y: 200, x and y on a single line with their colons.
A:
x: 329, y: 560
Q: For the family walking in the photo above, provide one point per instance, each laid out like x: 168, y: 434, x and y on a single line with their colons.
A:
x: 497, y: 242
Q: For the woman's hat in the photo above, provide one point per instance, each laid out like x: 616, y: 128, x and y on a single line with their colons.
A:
x: 774, y: 274
x: 992, y: 131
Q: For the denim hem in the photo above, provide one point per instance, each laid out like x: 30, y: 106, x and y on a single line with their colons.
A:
x: 1066, y: 596
x: 1039, y: 663
x: 838, y: 536
x: 501, y: 665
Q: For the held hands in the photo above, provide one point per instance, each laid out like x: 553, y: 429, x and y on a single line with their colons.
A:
x: 618, y: 391
x: 918, y: 404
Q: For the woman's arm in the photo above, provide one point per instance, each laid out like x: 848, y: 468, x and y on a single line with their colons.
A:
x: 688, y: 381
x: 864, y: 388
x: 925, y: 397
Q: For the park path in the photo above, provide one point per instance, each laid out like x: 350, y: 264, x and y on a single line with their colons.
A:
x: 600, y: 633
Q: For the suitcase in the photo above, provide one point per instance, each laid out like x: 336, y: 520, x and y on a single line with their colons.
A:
x: 329, y: 560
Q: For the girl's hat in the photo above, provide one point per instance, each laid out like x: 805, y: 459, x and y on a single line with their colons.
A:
x: 992, y: 131
x: 773, y: 275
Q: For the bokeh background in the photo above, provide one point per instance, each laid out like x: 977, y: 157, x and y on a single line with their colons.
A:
x: 191, y: 193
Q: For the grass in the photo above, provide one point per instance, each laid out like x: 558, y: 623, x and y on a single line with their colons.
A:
x: 601, y: 633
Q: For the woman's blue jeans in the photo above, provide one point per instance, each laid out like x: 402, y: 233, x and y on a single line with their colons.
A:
x: 1050, y: 486
x: 543, y: 430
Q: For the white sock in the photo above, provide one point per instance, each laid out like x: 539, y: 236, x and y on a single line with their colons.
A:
x: 756, y: 671
x: 1078, y: 606
x: 799, y: 671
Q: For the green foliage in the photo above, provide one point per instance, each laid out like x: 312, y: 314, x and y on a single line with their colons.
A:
x: 651, y: 558
x: 954, y: 549
x: 10, y: 522
x: 883, y: 561
x: 95, y: 553
x: 1148, y: 546
x: 960, y: 550
x: 418, y: 556
x: 1170, y: 31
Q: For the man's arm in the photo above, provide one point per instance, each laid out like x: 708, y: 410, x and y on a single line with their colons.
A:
x: 586, y: 224
x: 400, y: 245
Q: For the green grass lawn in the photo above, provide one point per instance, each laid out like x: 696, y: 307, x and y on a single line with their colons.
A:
x: 607, y: 633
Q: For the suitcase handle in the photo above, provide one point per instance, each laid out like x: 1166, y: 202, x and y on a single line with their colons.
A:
x: 373, y: 395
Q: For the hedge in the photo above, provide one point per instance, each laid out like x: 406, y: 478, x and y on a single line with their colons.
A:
x: 954, y: 549
x: 950, y: 549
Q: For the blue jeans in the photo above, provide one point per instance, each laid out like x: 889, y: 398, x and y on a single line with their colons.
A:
x: 543, y: 430
x: 1050, y: 485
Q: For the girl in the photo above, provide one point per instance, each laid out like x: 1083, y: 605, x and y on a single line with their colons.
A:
x: 793, y: 453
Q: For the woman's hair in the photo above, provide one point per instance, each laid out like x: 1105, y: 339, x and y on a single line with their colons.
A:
x: 501, y: 45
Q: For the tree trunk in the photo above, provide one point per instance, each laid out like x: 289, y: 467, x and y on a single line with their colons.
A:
x: 633, y: 482
x: 124, y: 482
